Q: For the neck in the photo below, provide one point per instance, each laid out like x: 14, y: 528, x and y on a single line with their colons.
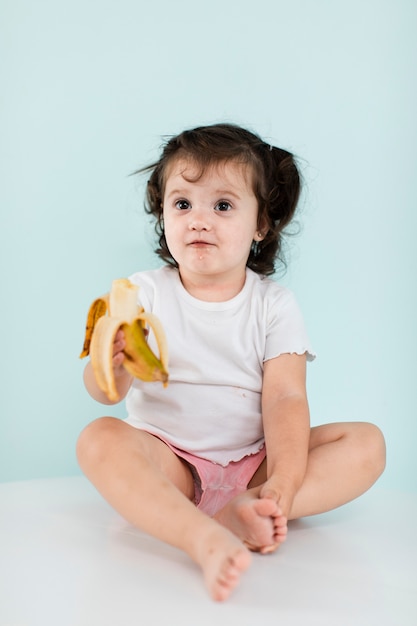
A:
x: 213, y: 289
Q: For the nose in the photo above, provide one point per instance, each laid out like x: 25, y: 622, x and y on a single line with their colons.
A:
x: 199, y: 220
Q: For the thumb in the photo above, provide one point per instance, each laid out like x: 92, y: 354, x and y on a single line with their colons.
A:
x: 268, y: 492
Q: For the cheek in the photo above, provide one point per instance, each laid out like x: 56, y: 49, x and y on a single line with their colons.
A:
x: 245, y: 235
x: 168, y: 225
x: 172, y: 234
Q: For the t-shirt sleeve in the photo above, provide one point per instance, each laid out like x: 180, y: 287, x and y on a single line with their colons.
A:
x: 145, y: 290
x: 286, y: 331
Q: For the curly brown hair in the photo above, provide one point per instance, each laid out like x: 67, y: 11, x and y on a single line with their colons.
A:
x: 276, y: 183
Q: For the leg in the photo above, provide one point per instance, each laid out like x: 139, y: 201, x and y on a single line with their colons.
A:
x: 345, y: 459
x: 152, y: 488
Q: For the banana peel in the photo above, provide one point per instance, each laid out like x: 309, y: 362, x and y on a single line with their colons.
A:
x: 116, y: 310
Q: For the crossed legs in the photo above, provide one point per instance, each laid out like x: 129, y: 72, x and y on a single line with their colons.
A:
x: 133, y: 469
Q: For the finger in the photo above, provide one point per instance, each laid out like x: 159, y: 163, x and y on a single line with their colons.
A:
x: 118, y: 344
x: 118, y: 359
x: 119, y: 335
x: 270, y: 494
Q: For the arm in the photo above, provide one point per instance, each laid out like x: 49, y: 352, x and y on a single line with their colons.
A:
x: 286, y: 422
x: 122, y: 377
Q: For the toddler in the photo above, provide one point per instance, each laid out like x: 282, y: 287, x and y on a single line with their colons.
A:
x: 218, y: 462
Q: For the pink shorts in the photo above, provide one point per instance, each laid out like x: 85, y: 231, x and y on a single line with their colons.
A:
x: 215, y: 485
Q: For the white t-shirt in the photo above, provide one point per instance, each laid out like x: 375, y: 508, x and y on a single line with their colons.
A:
x: 212, y: 404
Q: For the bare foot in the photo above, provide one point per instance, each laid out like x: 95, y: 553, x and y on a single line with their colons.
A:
x: 223, y: 558
x: 258, y: 522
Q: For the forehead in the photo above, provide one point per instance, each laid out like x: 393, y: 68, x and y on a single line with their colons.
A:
x: 234, y: 174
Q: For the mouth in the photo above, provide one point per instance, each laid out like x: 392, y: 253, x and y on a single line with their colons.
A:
x: 200, y: 244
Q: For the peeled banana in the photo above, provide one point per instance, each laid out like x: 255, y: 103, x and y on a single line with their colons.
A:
x: 123, y: 312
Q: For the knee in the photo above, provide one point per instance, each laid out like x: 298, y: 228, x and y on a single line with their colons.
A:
x: 372, y: 444
x: 94, y: 440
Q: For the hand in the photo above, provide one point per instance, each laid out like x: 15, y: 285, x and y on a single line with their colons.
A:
x: 273, y: 489
x: 118, y: 355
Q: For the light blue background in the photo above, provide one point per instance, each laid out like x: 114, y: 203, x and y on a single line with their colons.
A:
x: 89, y: 88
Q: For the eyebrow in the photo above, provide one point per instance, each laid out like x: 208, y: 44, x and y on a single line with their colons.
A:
x: 217, y: 192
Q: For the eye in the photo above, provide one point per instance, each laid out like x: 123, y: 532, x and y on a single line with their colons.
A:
x: 223, y: 206
x: 182, y: 205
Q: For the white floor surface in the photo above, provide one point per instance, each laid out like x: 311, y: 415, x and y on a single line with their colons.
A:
x: 67, y: 559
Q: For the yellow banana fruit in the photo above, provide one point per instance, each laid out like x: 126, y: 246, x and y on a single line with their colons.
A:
x: 123, y: 312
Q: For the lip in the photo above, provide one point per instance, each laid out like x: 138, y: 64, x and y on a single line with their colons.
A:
x: 200, y: 244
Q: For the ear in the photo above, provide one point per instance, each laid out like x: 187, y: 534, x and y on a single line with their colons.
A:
x: 261, y: 230
x: 259, y: 235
